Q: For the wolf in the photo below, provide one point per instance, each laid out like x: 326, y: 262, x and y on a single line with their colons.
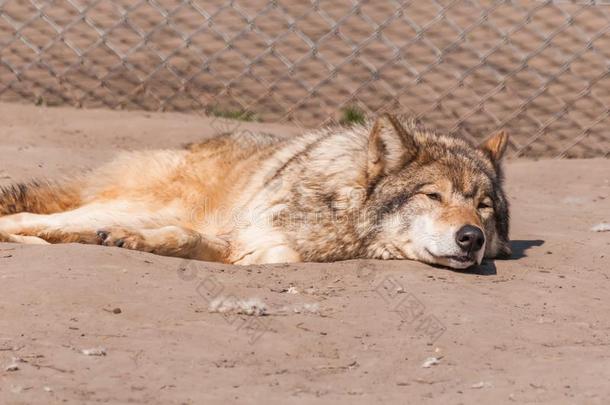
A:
x: 386, y: 189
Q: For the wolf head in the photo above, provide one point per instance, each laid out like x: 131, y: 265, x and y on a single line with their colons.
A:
x: 434, y: 198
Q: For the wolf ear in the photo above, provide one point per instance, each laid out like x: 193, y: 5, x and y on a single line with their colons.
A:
x: 495, y: 146
x: 390, y: 146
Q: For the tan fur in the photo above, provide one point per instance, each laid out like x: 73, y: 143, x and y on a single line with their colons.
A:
x: 30, y: 240
x: 249, y: 198
x: 43, y: 198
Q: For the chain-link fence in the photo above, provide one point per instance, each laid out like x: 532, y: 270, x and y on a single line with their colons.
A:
x: 539, y: 69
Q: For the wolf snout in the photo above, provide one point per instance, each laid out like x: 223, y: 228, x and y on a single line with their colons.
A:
x: 470, y: 238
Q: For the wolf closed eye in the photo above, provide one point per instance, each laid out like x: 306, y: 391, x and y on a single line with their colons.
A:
x: 434, y: 196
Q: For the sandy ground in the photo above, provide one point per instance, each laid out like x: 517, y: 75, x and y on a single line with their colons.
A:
x: 534, y: 329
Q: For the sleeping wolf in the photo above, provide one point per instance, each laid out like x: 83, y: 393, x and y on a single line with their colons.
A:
x: 385, y: 190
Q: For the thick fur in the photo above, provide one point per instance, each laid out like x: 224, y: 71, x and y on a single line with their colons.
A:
x: 389, y: 190
x: 39, y: 197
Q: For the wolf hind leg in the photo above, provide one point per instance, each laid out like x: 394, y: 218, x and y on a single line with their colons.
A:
x: 80, y: 225
x: 29, y: 240
x: 118, y: 223
x: 171, y: 240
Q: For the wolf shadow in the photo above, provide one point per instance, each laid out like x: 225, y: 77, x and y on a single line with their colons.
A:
x: 519, y: 251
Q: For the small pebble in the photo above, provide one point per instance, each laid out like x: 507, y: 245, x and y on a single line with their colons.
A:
x: 601, y: 227
x: 479, y: 385
x: 430, y: 361
x: 96, y: 351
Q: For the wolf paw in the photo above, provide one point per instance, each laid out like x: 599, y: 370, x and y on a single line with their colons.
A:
x: 120, y: 237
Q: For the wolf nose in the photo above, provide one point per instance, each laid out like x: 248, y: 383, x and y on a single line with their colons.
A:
x: 470, y: 238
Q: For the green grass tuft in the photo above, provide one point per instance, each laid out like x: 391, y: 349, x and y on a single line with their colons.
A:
x: 241, y: 115
x: 352, y: 115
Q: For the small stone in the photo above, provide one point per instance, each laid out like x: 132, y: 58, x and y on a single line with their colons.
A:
x: 601, y: 227
x: 481, y: 384
x: 431, y: 361
x: 96, y: 351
